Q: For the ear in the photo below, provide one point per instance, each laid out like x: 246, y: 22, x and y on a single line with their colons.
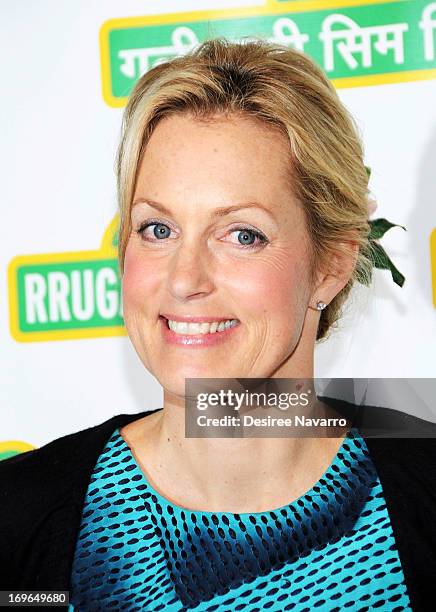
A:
x: 335, y: 272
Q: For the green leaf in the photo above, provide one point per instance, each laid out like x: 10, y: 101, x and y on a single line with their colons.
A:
x: 368, y: 171
x: 382, y: 262
x: 380, y: 226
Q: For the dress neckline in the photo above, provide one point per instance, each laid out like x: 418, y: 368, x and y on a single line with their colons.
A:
x: 321, y: 489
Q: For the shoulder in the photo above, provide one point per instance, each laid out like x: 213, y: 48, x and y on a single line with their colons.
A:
x: 406, y: 468
x: 41, y: 499
x: 406, y: 464
x: 382, y: 422
x: 399, y: 443
x: 53, y: 470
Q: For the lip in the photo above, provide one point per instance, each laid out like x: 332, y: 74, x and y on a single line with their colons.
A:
x: 196, y: 340
x: 193, y: 319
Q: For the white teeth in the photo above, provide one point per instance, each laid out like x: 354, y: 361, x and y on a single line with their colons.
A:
x: 213, y: 327
x: 204, y: 328
x: 182, y: 327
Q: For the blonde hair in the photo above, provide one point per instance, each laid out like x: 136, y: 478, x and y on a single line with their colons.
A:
x: 281, y: 87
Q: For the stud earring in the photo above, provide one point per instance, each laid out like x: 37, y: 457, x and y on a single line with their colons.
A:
x: 320, y: 305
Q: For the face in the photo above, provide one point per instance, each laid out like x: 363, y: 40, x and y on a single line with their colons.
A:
x: 217, y: 235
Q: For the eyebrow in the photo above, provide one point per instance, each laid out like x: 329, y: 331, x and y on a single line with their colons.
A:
x: 217, y: 212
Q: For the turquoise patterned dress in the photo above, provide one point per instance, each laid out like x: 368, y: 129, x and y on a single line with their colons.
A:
x: 332, y: 549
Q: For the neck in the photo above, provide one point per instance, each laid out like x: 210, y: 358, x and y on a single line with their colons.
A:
x: 235, y: 474
x: 249, y: 474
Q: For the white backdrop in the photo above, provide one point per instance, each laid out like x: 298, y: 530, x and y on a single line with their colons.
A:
x: 58, y: 195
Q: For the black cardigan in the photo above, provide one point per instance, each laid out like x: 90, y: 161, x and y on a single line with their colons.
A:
x: 42, y: 493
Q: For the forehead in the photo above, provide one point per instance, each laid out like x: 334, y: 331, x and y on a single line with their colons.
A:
x: 216, y: 161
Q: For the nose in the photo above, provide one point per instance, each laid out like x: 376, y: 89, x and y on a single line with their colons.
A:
x: 190, y: 271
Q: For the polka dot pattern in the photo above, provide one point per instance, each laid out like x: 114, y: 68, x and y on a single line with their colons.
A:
x: 332, y: 549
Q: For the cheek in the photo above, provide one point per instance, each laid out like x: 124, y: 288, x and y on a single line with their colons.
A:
x: 140, y: 280
x: 277, y: 287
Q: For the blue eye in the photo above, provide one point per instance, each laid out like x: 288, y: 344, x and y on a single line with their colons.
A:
x: 247, y: 237
x: 160, y: 229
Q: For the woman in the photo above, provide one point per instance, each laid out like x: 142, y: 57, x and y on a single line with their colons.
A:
x: 244, y: 224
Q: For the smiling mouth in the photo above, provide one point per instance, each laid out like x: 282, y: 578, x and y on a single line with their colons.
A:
x: 189, y: 328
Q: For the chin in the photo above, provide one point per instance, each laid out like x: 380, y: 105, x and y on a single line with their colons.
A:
x: 192, y: 370
x: 173, y: 378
